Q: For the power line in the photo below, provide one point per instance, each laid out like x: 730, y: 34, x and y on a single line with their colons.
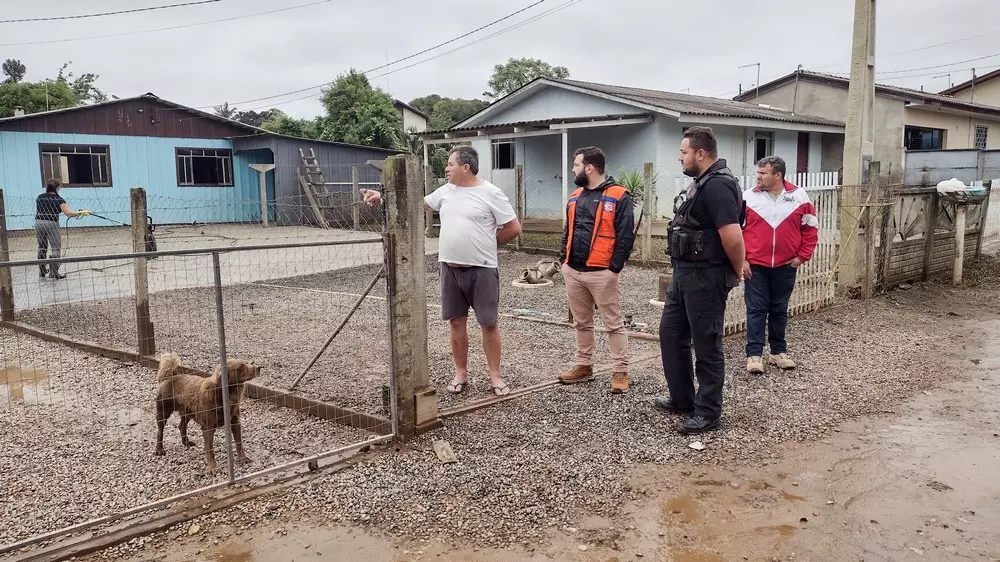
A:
x: 386, y: 65
x: 460, y: 47
x: 173, y: 27
x: 924, y: 48
x: 936, y: 66
x: 119, y: 12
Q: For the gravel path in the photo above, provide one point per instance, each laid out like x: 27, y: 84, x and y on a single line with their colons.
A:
x: 78, y: 436
x: 545, y: 462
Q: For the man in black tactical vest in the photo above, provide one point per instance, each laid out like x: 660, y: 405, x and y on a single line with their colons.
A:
x: 705, y: 245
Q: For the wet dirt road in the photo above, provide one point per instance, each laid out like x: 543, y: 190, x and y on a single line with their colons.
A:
x: 922, y: 484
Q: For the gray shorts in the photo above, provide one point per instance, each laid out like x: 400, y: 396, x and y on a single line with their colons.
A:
x: 475, y: 287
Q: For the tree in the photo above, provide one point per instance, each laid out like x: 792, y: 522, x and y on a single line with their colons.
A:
x: 252, y: 118
x: 36, y: 97
x: 518, y: 72
x: 357, y: 113
x: 225, y: 111
x: 14, y: 70
x: 279, y: 122
x: 447, y: 112
x: 83, y: 86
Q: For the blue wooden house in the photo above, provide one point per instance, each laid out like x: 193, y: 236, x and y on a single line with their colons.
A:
x: 194, y: 166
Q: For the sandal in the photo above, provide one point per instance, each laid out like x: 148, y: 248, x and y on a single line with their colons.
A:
x: 502, y: 390
x: 458, y: 387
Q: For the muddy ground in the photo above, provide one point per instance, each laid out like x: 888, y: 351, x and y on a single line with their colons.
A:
x: 882, y: 446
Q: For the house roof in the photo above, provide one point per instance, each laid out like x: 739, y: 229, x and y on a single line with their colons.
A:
x: 906, y: 94
x: 537, y: 123
x: 266, y: 133
x: 657, y: 101
x: 144, y: 97
x: 978, y: 80
x: 403, y: 104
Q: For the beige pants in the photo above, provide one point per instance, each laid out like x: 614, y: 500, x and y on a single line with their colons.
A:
x: 584, y: 290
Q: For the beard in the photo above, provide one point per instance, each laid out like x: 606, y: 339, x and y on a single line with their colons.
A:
x: 691, y: 172
x: 581, y: 181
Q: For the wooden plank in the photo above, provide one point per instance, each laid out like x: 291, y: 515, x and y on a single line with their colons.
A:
x: 312, y: 201
x: 356, y: 199
x: 143, y: 320
x: 647, y: 212
x: 6, y: 279
x: 518, y: 199
x: 983, y: 213
x: 930, y: 232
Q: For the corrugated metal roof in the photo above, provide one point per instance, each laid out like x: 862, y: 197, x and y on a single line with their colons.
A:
x: 688, y: 104
x: 897, y: 91
x: 538, y: 123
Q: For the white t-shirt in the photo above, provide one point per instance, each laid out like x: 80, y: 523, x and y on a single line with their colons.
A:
x: 470, y: 218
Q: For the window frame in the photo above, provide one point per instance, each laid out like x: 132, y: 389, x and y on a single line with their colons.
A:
x: 494, y: 152
x: 48, y: 148
x: 986, y: 136
x: 228, y: 156
x: 942, y: 136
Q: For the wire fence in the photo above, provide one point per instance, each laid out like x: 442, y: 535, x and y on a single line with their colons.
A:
x: 112, y: 383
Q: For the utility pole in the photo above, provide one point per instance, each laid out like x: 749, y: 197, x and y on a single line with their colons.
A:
x: 859, y: 141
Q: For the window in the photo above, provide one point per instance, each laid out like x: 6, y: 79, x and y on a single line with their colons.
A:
x: 920, y: 138
x: 980, y: 137
x: 503, y: 154
x: 76, y: 165
x: 204, y: 167
x: 763, y: 142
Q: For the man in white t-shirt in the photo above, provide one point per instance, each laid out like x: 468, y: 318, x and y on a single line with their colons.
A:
x: 476, y: 218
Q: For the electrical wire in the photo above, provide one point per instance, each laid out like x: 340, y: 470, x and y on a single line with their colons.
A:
x: 534, y: 18
x: 388, y: 64
x: 917, y: 49
x: 171, y: 28
x: 119, y: 12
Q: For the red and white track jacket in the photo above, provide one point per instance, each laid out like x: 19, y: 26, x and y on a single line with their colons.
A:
x: 781, y: 229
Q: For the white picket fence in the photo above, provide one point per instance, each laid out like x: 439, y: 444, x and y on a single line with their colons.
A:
x: 667, y: 191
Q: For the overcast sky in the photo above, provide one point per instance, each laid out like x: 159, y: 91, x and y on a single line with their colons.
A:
x: 670, y: 45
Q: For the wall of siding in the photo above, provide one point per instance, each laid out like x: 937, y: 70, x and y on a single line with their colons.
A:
x: 146, y: 162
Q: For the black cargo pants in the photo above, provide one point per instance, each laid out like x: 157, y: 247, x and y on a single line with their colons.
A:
x: 695, y: 310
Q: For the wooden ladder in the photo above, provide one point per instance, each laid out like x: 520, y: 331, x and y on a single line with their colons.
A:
x: 314, y: 185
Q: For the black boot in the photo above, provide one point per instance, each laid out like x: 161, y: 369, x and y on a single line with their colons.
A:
x: 54, y: 272
x: 42, y: 271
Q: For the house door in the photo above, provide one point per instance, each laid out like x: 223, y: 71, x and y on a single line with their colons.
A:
x: 802, y: 161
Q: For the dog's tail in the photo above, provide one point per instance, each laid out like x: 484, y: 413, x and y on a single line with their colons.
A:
x: 169, y: 366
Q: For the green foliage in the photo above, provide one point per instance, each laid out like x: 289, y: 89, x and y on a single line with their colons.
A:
x: 83, y: 86
x: 225, y: 111
x: 252, y: 118
x: 36, y: 97
x: 518, y: 72
x: 634, y: 182
x: 14, y: 70
x: 279, y: 122
x: 447, y: 112
x: 359, y: 114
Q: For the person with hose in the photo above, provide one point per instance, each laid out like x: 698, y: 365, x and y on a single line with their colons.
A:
x: 48, y: 206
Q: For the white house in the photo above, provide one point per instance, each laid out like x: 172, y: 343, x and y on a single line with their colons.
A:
x: 412, y: 117
x: 538, y: 126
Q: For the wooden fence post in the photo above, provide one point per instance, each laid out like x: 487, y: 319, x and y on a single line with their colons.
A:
x: 143, y: 322
x: 518, y: 200
x: 983, y: 211
x: 415, y: 400
x: 428, y: 214
x: 6, y: 279
x: 932, y: 214
x: 648, y: 204
x: 356, y: 197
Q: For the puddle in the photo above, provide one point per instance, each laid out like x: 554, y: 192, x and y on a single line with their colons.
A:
x: 685, y: 507
x: 15, y: 380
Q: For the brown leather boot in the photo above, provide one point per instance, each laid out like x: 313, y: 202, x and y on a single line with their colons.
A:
x: 619, y: 383
x: 580, y: 373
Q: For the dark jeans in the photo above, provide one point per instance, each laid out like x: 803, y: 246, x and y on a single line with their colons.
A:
x: 695, y: 309
x: 767, y: 294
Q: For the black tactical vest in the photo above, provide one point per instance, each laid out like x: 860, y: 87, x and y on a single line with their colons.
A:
x: 687, y: 239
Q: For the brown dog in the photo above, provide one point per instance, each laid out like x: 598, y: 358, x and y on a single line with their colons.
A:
x: 200, y: 399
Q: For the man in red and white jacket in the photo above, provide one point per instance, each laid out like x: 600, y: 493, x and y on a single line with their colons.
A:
x: 780, y: 235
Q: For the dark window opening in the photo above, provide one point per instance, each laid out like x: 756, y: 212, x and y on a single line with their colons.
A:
x: 919, y: 138
x: 76, y: 165
x: 198, y: 167
x: 503, y: 155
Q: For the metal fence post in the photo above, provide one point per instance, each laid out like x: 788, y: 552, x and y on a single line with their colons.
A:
x: 220, y: 320
x: 6, y: 279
